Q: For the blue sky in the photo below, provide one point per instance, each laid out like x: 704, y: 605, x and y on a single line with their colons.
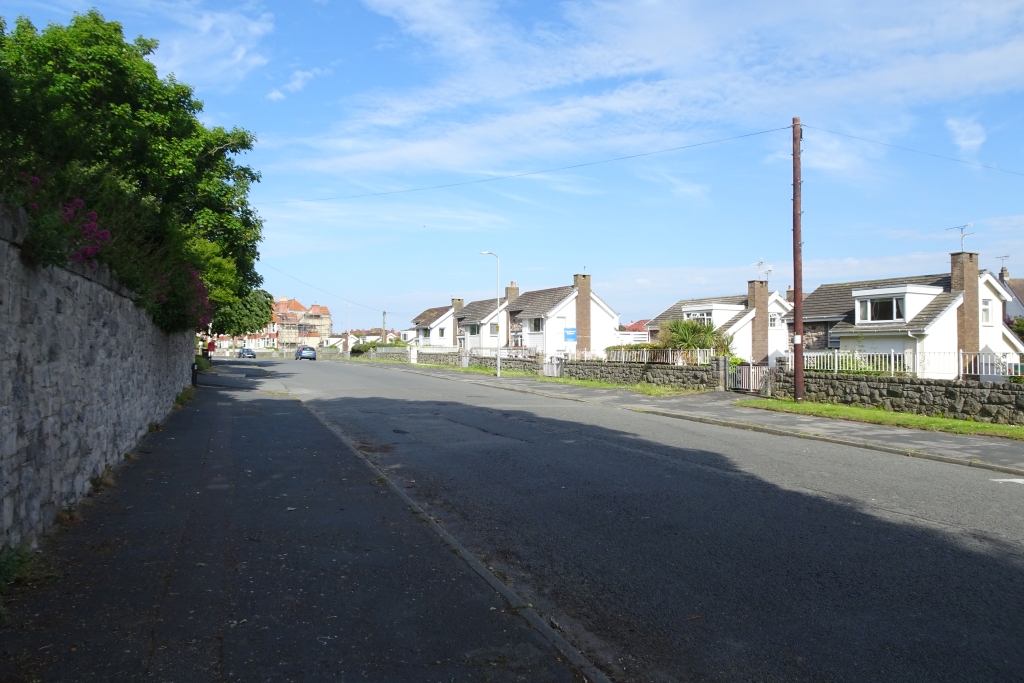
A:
x: 361, y: 97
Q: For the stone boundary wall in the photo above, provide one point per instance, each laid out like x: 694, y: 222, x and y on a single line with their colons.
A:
x: 83, y: 374
x: 1001, y: 402
x: 443, y: 358
x: 707, y: 377
x: 524, y: 364
x: 400, y: 353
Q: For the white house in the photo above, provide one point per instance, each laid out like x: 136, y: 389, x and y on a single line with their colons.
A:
x: 756, y: 321
x: 930, y: 316
x: 562, y: 319
x: 484, y: 324
x: 436, y: 326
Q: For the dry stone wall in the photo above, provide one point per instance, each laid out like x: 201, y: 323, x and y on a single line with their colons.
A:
x: 441, y: 358
x: 1001, y: 402
x: 83, y: 374
x: 507, y: 364
x: 707, y: 377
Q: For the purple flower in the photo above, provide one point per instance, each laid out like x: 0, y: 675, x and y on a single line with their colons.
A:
x: 92, y: 216
x: 102, y: 235
x: 33, y: 207
x: 78, y: 257
x: 78, y: 203
x: 35, y: 181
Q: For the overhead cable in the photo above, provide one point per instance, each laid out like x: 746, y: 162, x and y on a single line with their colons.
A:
x: 528, y: 173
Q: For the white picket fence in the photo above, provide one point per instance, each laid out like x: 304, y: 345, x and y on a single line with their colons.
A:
x: 660, y: 356
x: 525, y: 353
x: 927, y: 364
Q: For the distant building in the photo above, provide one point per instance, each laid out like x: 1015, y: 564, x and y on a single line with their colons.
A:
x: 296, y: 325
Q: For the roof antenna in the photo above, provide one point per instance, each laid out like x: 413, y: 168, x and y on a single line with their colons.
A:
x: 766, y: 272
x: 1002, y: 261
x: 963, y: 234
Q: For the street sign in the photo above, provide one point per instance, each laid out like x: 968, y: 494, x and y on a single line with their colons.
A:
x: 570, y: 334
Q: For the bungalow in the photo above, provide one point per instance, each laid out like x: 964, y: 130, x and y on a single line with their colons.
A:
x: 562, y: 320
x: 484, y: 324
x: 923, y: 314
x: 754, y: 320
x: 436, y: 326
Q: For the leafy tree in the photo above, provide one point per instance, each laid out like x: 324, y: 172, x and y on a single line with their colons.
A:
x: 1018, y: 327
x: 694, y: 334
x: 114, y: 166
x: 249, y: 314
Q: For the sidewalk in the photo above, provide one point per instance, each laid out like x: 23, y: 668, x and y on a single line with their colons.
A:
x: 247, y: 543
x: 717, y: 408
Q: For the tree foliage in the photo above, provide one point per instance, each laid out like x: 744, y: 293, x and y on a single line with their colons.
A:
x: 249, y: 314
x: 114, y: 166
x: 694, y: 334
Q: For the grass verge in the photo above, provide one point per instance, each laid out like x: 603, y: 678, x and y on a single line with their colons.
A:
x: 202, y: 364
x: 20, y: 566
x: 883, y: 417
x: 641, y: 387
x: 184, y: 397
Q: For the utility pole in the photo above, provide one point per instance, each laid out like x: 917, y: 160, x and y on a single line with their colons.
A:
x: 798, y: 269
x: 384, y: 329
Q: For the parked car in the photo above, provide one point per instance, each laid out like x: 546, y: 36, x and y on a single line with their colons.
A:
x: 246, y: 353
x: 307, y: 352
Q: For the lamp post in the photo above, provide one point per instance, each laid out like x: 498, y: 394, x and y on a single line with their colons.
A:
x: 497, y: 305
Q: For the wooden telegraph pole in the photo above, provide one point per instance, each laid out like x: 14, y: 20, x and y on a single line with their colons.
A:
x: 798, y: 269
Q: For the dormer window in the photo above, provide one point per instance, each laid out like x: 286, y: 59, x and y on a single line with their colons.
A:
x: 699, y: 316
x: 880, y: 310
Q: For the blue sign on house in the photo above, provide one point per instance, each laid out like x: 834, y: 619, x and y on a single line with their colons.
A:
x: 570, y: 334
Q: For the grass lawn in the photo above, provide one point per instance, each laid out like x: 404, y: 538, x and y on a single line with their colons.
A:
x: 641, y: 388
x: 883, y: 417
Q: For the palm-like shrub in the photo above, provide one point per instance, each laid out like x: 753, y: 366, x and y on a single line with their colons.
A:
x: 695, y: 334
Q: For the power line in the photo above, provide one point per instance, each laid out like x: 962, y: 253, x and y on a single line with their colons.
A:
x: 522, y: 175
x: 915, y: 151
x: 336, y: 296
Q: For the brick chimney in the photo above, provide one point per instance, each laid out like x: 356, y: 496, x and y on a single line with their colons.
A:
x: 582, y: 285
x: 790, y: 297
x: 1004, y: 276
x: 512, y: 292
x: 964, y: 269
x: 757, y: 298
x: 457, y: 304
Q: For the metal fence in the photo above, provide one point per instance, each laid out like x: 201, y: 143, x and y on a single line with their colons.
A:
x: 927, y: 364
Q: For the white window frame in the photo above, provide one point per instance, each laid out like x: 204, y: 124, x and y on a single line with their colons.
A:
x: 774, y: 321
x: 493, y: 329
x: 864, y: 306
x: 440, y: 332
x: 704, y: 316
x: 474, y: 330
x: 536, y: 324
x: 426, y: 333
x: 986, y: 312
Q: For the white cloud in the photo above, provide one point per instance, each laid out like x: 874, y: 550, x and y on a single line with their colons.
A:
x: 275, y: 95
x: 968, y: 135
x: 298, y: 81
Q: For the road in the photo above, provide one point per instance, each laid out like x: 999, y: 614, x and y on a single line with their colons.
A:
x: 671, y: 550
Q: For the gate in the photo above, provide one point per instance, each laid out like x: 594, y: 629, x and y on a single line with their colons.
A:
x: 749, y: 378
x: 553, y: 367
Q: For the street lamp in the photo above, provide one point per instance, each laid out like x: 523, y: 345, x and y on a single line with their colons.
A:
x: 497, y: 305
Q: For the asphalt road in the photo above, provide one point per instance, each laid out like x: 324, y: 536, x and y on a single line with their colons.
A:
x: 671, y: 550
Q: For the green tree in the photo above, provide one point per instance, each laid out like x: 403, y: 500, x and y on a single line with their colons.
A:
x: 115, y: 167
x: 247, y: 315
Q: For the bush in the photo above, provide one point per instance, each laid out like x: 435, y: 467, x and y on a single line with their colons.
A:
x: 635, y: 346
x: 114, y: 167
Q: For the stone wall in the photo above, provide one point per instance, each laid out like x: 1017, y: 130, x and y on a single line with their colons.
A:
x: 83, y: 374
x: 399, y: 353
x: 815, y: 336
x: 961, y: 399
x: 442, y: 358
x: 706, y: 377
x: 507, y: 364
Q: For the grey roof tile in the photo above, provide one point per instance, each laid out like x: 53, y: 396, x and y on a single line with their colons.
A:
x: 538, y: 303
x: 673, y: 312
x: 735, y: 319
x: 475, y: 311
x: 917, y: 325
x: 835, y: 301
x: 430, y: 315
x: 1016, y: 284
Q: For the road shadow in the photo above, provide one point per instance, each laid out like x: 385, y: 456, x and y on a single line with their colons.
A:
x: 689, y: 568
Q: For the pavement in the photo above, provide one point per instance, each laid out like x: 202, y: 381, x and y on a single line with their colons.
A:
x: 518, y: 531
x: 247, y: 543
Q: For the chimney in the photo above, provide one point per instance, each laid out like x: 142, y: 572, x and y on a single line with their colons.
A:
x: 790, y: 297
x: 964, y: 271
x: 1004, y: 277
x: 457, y: 304
x: 757, y: 298
x: 582, y: 285
x: 512, y: 292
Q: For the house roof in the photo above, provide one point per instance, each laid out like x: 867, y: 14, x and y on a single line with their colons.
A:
x: 538, y: 303
x: 288, y: 305
x: 735, y: 319
x: 917, y: 325
x: 835, y: 301
x: 673, y: 312
x: 430, y: 315
x: 475, y: 311
x: 638, y: 326
x: 1016, y: 284
x: 317, y: 309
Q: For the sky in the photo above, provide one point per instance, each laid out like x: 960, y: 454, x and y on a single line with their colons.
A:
x: 361, y: 98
